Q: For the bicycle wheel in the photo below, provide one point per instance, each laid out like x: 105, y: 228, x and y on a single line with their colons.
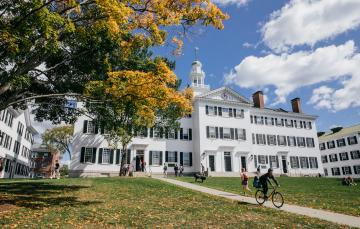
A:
x: 259, y: 196
x: 277, y: 199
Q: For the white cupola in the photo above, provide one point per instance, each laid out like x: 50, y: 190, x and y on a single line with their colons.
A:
x: 197, y: 77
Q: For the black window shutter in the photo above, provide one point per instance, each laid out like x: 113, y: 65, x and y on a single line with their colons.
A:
x: 145, y: 131
x: 232, y: 133
x: 161, y: 157
x: 244, y: 134
x: 117, y: 156
x: 215, y: 109
x: 85, y: 126
x: 190, y: 134
x: 82, y: 155
x: 278, y: 139
x: 190, y: 158
x: 161, y: 132
x: 181, y: 158
x: 267, y: 159
x: 236, y: 134
x: 181, y: 133
x: 151, y: 132
x: 150, y: 157
x: 207, y: 131
x: 288, y: 140
x: 94, y: 156
x: 176, y: 134
x: 264, y: 139
x: 112, y: 157
x: 255, y: 160
x: 96, y: 128
x: 102, y: 129
x: 100, y: 155
x: 166, y: 132
x: 220, y: 111
x: 257, y: 138
x: 207, y: 109
x: 230, y: 112
x: 352, y: 154
x: 166, y: 156
x: 234, y: 111
x: 128, y: 157
x: 216, y: 132
x: 176, y: 156
x: 221, y: 132
x: 343, y: 170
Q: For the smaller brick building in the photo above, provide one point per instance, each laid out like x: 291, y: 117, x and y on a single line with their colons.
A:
x: 43, y: 161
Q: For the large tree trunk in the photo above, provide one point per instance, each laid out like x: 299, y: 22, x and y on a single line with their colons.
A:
x: 123, y: 161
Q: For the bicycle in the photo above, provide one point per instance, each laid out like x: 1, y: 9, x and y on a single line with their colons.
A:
x: 276, y: 197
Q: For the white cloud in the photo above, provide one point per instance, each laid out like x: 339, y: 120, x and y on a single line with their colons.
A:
x: 308, y: 21
x: 231, y: 2
x: 247, y: 45
x: 289, y: 72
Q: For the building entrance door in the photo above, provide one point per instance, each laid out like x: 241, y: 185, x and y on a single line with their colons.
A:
x: 140, y: 161
x: 243, y: 162
x: 212, y: 163
x: 227, y: 160
x: 284, y: 164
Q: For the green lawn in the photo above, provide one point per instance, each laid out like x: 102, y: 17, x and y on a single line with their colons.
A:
x: 312, y: 192
x: 136, y: 202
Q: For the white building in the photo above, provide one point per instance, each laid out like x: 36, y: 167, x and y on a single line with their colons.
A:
x: 16, y: 139
x: 340, y: 151
x: 226, y: 132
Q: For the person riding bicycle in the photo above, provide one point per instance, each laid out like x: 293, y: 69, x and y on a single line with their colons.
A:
x: 264, y: 179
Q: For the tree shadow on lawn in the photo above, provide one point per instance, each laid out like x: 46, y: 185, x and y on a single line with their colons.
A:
x: 40, y: 194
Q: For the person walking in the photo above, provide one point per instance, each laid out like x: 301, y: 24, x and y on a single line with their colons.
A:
x: 57, y: 170
x: 181, y: 169
x: 165, y: 170
x: 244, y: 181
x: 176, y: 169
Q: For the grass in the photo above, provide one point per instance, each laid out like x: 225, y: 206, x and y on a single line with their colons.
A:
x: 134, y: 202
x: 321, y: 193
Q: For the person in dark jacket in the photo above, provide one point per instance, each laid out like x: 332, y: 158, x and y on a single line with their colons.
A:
x: 265, y: 179
x: 176, y: 169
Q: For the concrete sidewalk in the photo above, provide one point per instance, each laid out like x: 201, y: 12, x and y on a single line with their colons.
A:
x: 351, y: 221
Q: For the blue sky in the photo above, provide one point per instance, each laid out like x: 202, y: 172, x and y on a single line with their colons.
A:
x: 244, y: 36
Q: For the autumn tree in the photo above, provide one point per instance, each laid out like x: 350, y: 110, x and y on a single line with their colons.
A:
x: 59, y: 139
x: 52, y: 49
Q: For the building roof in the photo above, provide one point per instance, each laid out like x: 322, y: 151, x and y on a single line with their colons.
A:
x: 346, y: 131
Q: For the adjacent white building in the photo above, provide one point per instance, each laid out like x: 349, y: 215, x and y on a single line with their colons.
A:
x: 16, y: 139
x: 226, y: 132
x: 340, y: 151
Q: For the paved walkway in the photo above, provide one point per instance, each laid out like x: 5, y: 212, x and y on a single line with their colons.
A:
x: 351, y: 221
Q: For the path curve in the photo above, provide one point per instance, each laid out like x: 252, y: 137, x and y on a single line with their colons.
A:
x: 338, y: 218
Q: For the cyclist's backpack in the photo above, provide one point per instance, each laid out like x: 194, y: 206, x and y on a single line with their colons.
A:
x: 256, y: 182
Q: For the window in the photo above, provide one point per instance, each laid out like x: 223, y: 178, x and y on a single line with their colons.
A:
x: 106, y: 156
x: 90, y: 127
x: 260, y: 139
x: 322, y: 146
x: 274, y: 161
x: 333, y: 157
x: 8, y: 119
x: 226, y: 133
x: 309, y: 126
x: 240, y: 134
x: 171, y: 156
x: 341, y: 142
x: 344, y: 156
x: 88, y: 156
x: 20, y: 128
x: 238, y: 113
x: 262, y: 159
x: 355, y: 155
x: 281, y: 140
x: 291, y: 140
x: 346, y: 170
x: 186, y: 134
x: 259, y: 120
x: 225, y: 112
x: 313, y: 162
x: 324, y: 159
x: 171, y: 134
x: 271, y: 139
x: 301, y: 141
x: 294, y: 162
x: 279, y: 122
x: 210, y: 110
x: 211, y: 132
x: 156, y: 157
x: 331, y: 144
x: 186, y: 159
x: 352, y: 140
x: 310, y: 142
x: 357, y: 169
x: 304, y: 162
x: 157, y: 132
x: 289, y: 123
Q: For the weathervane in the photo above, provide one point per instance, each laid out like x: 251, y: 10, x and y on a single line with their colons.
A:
x: 196, y: 53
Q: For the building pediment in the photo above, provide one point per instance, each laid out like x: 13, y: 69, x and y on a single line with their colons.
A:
x: 225, y: 94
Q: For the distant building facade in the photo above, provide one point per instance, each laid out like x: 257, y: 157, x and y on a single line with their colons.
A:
x: 16, y: 140
x: 225, y: 133
x: 340, y: 151
x: 43, y: 161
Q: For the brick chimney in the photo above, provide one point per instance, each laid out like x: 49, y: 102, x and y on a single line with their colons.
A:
x: 296, y: 105
x: 258, y: 98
